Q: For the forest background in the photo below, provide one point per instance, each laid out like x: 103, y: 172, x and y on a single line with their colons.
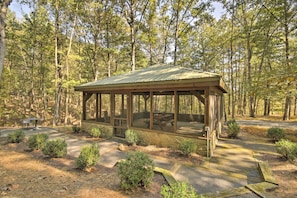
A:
x: 63, y: 43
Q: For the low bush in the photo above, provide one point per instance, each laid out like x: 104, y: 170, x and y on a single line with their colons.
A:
x: 37, y: 141
x: 95, y: 132
x: 88, y: 156
x: 276, y: 133
x: 233, y: 128
x: 76, y: 129
x: 287, y: 149
x: 16, y: 137
x: 136, y: 170
x: 187, y: 147
x: 105, y: 134
x: 55, y: 148
x: 131, y: 137
x: 177, y: 190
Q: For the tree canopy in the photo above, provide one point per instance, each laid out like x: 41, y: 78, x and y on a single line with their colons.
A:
x: 59, y: 44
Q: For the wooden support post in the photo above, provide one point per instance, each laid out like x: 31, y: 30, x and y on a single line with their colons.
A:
x: 219, y: 128
x: 100, y: 106
x: 206, y: 108
x: 97, y: 107
x: 176, y: 110
x: 84, y: 108
x: 129, y: 110
x: 123, y: 103
x: 112, y: 108
x: 86, y: 97
x: 138, y: 103
x: 151, y: 110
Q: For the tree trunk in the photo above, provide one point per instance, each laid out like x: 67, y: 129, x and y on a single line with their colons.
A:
x: 229, y: 104
x: 32, y: 101
x: 95, y: 57
x: 248, y: 49
x: 66, y: 119
x: 108, y: 52
x: 287, y: 110
x: 295, y: 107
x: 249, y: 78
x: 58, y: 75
x: 151, y: 54
x: 44, y: 98
x: 31, y: 92
x: 241, y: 91
x: 176, y: 35
x: 4, y: 5
x: 231, y: 65
x: 164, y: 50
x: 131, y: 23
x: 266, y: 107
x: 133, y: 47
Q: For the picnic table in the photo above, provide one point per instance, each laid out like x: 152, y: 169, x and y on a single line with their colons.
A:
x: 33, y: 119
x: 161, y: 119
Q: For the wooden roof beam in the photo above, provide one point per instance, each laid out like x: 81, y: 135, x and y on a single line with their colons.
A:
x: 198, y: 96
x: 87, y: 96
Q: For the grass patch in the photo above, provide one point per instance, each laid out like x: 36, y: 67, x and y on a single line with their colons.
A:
x: 255, y: 130
x: 64, y: 129
x: 291, y: 134
x: 267, y: 118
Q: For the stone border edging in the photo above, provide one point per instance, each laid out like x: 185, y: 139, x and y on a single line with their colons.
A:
x: 260, y: 188
x: 166, y: 174
x: 269, y: 182
x: 266, y: 173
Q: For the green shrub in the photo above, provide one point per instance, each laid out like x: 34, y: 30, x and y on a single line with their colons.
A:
x: 55, y: 148
x: 88, y: 156
x: 16, y: 137
x: 232, y: 128
x: 95, y: 132
x: 75, y: 129
x: 276, y: 133
x: 37, y: 141
x: 287, y: 149
x: 187, y: 147
x: 131, y: 137
x: 105, y: 133
x: 136, y: 170
x: 177, y: 190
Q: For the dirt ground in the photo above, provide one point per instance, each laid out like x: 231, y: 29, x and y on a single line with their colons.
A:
x: 31, y: 174
x: 284, y: 171
x: 286, y: 175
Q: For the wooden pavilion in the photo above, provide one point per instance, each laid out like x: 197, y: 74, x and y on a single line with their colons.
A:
x: 164, y: 104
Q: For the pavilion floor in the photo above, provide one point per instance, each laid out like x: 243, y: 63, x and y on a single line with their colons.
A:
x: 192, y: 128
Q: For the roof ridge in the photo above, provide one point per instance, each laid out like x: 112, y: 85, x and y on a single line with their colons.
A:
x: 159, y: 73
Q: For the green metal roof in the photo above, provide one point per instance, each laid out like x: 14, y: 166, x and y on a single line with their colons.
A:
x: 153, y: 74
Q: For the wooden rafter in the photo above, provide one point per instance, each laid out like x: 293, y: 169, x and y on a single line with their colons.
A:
x: 198, y: 96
